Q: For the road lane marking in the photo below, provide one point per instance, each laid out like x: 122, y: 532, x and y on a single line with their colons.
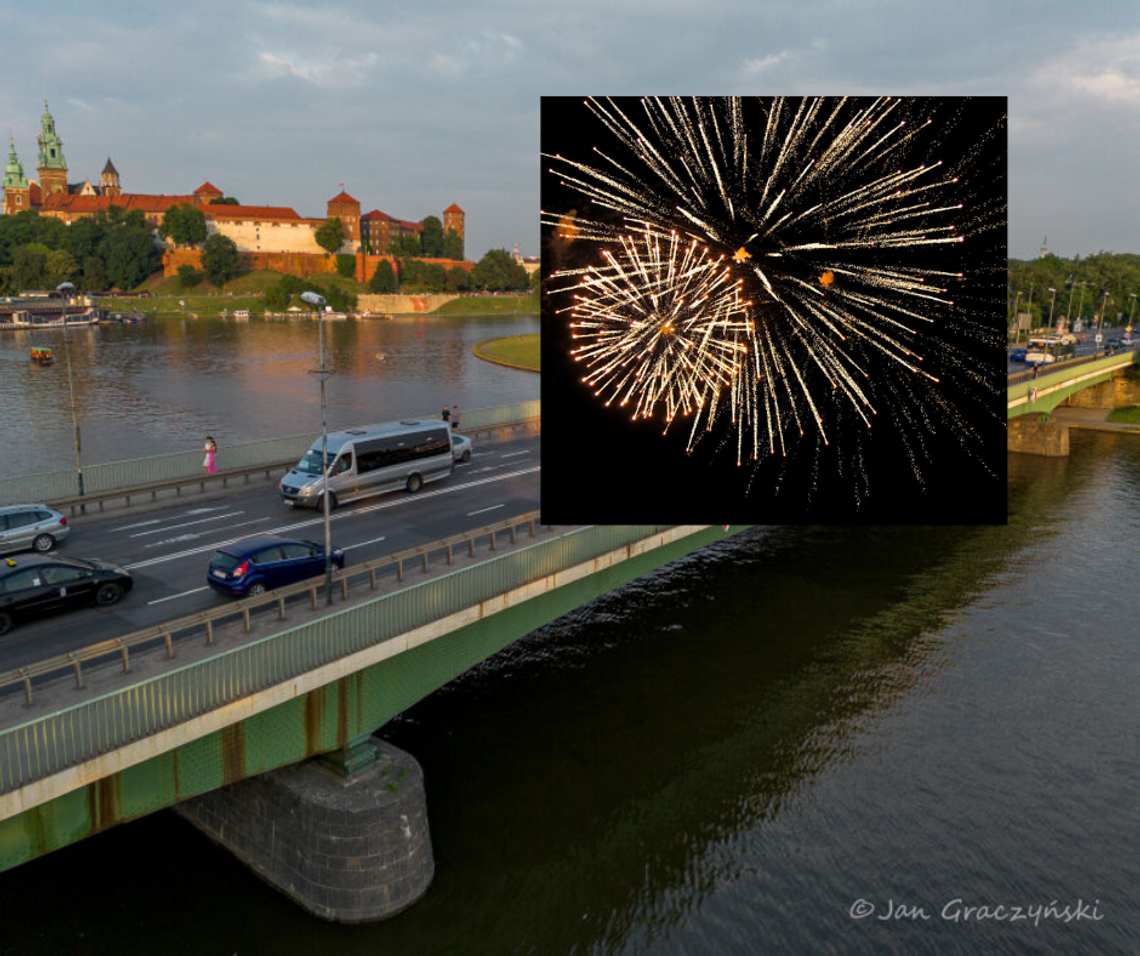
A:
x: 471, y: 514
x: 140, y: 524
x: 361, y: 544
x: 514, y: 454
x: 190, y: 536
x: 335, y: 517
x: 183, y: 594
x: 187, y: 524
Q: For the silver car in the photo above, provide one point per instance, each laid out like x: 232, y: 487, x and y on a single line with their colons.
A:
x: 31, y: 528
x: 461, y: 446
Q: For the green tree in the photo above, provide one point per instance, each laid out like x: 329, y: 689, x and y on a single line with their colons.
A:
x: 434, y: 277
x: 120, y: 216
x: 94, y: 275
x: 276, y: 298
x: 346, y: 265
x: 185, y: 225
x: 84, y: 236
x: 224, y: 201
x: 129, y: 255
x: 330, y: 235
x: 220, y: 259
x: 452, y: 245
x: 457, y: 279
x: 497, y: 271
x: 29, y: 265
x: 188, y: 276
x: 60, y: 267
x: 431, y: 239
x: 405, y: 244
x: 536, y: 281
x: 383, y: 280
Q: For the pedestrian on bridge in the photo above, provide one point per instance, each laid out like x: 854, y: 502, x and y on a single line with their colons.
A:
x: 455, y: 417
x: 446, y: 416
x: 210, y: 461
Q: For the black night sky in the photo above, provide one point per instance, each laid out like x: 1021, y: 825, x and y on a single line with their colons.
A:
x: 601, y: 467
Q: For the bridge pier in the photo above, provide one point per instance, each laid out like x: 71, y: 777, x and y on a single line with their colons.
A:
x: 349, y: 844
x: 1031, y: 436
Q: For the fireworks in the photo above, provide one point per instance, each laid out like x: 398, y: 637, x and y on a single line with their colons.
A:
x: 782, y: 275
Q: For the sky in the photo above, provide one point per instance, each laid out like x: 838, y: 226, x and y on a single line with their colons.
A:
x: 414, y: 106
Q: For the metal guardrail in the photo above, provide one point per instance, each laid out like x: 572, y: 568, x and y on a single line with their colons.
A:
x: 205, y: 621
x: 1060, y: 373
x: 48, y: 744
x: 1018, y: 377
x: 232, y: 460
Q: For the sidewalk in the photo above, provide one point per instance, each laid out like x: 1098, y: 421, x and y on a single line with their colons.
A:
x: 1095, y: 419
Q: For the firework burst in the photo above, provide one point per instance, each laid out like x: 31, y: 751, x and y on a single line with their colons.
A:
x: 821, y: 238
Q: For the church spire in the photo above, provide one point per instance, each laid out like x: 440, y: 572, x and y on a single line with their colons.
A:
x: 51, y: 146
x: 14, y: 177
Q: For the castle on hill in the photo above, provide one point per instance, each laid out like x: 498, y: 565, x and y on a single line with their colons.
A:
x: 267, y: 237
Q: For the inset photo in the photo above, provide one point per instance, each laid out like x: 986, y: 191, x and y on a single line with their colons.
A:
x: 774, y: 310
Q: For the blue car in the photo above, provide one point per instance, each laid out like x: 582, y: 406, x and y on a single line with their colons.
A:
x: 1017, y: 355
x: 256, y: 565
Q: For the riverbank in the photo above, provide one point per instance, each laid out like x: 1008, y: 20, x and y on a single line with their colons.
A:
x: 513, y: 351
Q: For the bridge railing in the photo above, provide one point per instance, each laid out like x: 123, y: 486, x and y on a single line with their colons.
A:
x: 46, y: 745
x: 231, y: 459
x: 1082, y: 369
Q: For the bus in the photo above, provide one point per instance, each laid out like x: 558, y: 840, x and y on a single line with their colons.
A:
x: 1046, y: 349
x: 371, y: 460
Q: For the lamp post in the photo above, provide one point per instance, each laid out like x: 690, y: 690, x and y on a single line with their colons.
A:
x: 1100, y: 325
x: 1016, y: 323
x: 1131, y: 308
x: 63, y: 289
x: 1052, y: 300
x: 318, y: 303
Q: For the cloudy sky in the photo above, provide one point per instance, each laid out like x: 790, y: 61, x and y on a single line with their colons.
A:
x: 417, y: 105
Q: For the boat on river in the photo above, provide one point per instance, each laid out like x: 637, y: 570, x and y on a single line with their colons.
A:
x: 128, y: 318
x: 26, y: 319
x: 41, y: 355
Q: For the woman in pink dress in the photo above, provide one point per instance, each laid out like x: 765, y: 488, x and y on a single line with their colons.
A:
x: 211, y: 451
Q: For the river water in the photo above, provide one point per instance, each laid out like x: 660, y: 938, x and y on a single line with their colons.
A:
x: 164, y: 385
x: 734, y: 754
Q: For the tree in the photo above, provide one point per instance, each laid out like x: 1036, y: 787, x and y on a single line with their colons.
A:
x: 224, y: 201
x: 28, y: 266
x: 94, y: 275
x: 188, y: 276
x: 536, y: 281
x: 434, y: 277
x: 457, y: 279
x: 220, y: 259
x: 346, y: 265
x: 383, y: 279
x: 431, y: 239
x: 129, y: 255
x: 452, y: 245
x: 185, y: 225
x: 60, y: 267
x: 497, y: 271
x: 276, y: 298
x: 405, y: 244
x: 83, y: 238
x: 330, y: 235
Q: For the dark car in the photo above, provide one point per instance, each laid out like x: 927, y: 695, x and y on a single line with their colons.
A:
x: 32, y: 586
x: 1017, y: 355
x: 257, y: 565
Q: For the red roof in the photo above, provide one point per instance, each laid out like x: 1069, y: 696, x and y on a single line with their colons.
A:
x: 250, y: 212
x: 343, y: 197
x: 453, y: 208
x: 209, y: 189
x: 35, y: 196
x: 376, y: 214
x: 416, y: 226
x: 90, y: 204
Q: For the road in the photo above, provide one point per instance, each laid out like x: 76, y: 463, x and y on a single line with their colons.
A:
x: 1083, y: 348
x: 168, y: 548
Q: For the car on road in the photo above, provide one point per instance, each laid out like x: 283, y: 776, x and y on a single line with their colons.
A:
x: 461, y: 447
x: 256, y: 565
x: 1017, y: 355
x: 35, y: 585
x: 31, y: 528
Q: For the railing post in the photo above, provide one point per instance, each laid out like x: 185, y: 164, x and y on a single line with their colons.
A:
x: 209, y: 632
x: 425, y: 562
x: 449, y: 554
x: 78, y: 671
x: 126, y: 659
x: 400, y: 569
x: 245, y: 618
x: 27, y: 686
x: 166, y: 637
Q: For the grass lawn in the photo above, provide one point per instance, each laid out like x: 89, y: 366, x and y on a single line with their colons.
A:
x: 1127, y: 416
x: 517, y: 351
x: 489, y: 305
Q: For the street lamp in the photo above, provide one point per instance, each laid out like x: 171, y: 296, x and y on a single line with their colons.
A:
x: 318, y: 302
x: 1100, y: 326
x: 1131, y: 308
x: 1052, y: 300
x: 63, y: 289
x: 1016, y: 323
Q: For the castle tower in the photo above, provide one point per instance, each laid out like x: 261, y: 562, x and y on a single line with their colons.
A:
x: 52, y: 165
x: 110, y: 181
x: 453, y: 219
x: 17, y: 193
x: 347, y: 210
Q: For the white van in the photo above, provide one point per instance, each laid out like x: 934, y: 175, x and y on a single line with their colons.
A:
x: 371, y: 460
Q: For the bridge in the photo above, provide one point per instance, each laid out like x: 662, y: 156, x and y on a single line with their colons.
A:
x: 1099, y: 382
x: 108, y: 716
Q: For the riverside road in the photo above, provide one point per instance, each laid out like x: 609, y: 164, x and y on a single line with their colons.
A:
x: 167, y: 547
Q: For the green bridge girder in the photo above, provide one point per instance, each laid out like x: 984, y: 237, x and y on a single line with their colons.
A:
x: 1051, y: 388
x: 323, y: 720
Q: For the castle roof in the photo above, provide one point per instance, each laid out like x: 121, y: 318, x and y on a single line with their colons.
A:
x: 414, y: 226
x: 74, y: 203
x: 208, y: 189
x: 377, y: 214
x: 110, y: 168
x: 250, y: 212
x: 454, y: 207
x: 343, y: 197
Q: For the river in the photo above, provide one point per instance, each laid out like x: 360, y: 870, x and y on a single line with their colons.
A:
x: 164, y: 385
x: 738, y: 753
